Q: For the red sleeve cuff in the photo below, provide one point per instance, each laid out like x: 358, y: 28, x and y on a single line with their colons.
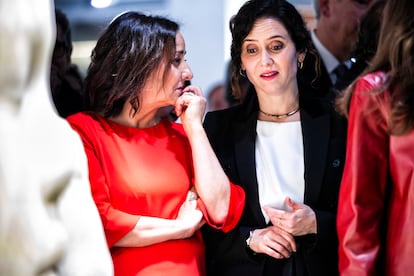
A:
x: 237, y: 200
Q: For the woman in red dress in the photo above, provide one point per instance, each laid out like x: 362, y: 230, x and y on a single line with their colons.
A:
x: 376, y: 204
x: 154, y: 182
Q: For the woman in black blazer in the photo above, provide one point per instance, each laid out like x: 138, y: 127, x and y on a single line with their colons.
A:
x: 286, y: 148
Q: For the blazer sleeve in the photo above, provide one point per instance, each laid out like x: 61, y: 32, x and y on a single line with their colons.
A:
x: 363, y: 187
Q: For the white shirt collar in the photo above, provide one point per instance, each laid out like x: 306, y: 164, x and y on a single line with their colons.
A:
x: 328, y: 59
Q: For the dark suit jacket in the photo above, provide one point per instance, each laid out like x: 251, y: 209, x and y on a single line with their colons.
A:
x: 314, y: 79
x: 232, y: 133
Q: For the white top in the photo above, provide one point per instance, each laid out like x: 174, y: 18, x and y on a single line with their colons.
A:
x: 279, y: 163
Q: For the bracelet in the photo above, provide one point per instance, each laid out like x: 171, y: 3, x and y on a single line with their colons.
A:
x: 249, y: 239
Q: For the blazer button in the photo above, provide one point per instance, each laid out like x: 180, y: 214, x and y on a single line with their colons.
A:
x: 336, y: 163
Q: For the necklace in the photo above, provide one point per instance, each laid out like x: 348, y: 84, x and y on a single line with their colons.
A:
x: 156, y: 121
x: 280, y: 116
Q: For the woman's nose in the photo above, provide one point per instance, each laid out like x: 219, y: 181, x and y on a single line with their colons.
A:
x: 266, y: 58
x: 187, y: 74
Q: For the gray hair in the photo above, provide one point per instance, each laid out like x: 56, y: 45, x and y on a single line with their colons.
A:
x: 316, y: 8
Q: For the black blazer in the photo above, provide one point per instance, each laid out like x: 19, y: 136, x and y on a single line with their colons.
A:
x: 232, y: 133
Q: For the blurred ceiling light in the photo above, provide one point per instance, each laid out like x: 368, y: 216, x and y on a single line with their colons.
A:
x: 99, y: 4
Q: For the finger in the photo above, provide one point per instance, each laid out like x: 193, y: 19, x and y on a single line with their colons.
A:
x: 193, y: 89
x: 182, y: 103
x: 191, y: 196
x: 276, y: 216
x: 178, y: 108
x: 189, y: 205
x: 280, y: 248
x: 273, y: 212
x: 187, y: 97
x: 287, y: 240
x: 189, y: 93
x: 267, y: 246
x: 277, y: 244
x: 289, y: 202
x: 273, y: 253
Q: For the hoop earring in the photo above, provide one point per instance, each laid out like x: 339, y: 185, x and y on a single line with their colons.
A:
x: 242, y: 72
x: 300, y: 64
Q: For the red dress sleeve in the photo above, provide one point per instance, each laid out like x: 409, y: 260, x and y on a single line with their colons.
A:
x: 363, y: 187
x: 115, y: 222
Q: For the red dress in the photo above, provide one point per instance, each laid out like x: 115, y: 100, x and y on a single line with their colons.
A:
x: 376, y: 217
x: 145, y: 172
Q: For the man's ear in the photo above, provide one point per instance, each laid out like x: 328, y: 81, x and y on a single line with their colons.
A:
x: 324, y: 8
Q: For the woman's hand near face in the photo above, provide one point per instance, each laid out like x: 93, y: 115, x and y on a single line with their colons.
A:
x: 301, y: 220
x: 273, y: 241
x: 191, y: 106
x: 211, y: 183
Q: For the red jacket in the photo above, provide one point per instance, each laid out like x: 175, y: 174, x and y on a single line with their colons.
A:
x: 376, y: 205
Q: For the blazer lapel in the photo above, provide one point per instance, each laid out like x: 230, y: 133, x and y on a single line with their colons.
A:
x: 244, y: 143
x: 316, y: 141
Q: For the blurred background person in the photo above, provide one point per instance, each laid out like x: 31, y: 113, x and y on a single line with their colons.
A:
x: 284, y: 148
x: 216, y: 98
x: 366, y: 45
x: 334, y: 37
x: 376, y: 198
x: 66, y: 81
x: 49, y: 224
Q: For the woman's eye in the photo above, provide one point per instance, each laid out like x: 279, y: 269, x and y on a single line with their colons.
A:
x: 277, y: 47
x: 177, y: 61
x: 363, y: 2
x: 251, y: 50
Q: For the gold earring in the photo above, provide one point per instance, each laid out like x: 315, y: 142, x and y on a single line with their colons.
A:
x: 242, y: 72
x: 300, y: 64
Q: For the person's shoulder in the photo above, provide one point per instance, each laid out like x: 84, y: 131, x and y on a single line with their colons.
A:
x: 371, y: 85
x: 370, y: 90
x: 372, y: 80
x: 83, y: 121
x: 81, y: 118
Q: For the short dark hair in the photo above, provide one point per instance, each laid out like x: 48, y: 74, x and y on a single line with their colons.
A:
x: 130, y: 49
x: 242, y: 23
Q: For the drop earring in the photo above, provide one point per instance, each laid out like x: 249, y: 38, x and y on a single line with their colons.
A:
x: 242, y: 72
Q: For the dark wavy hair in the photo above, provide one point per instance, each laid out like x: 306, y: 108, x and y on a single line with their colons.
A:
x: 126, y: 54
x: 242, y: 23
x: 395, y: 56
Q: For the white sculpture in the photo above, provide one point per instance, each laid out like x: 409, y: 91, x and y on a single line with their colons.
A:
x: 49, y: 224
